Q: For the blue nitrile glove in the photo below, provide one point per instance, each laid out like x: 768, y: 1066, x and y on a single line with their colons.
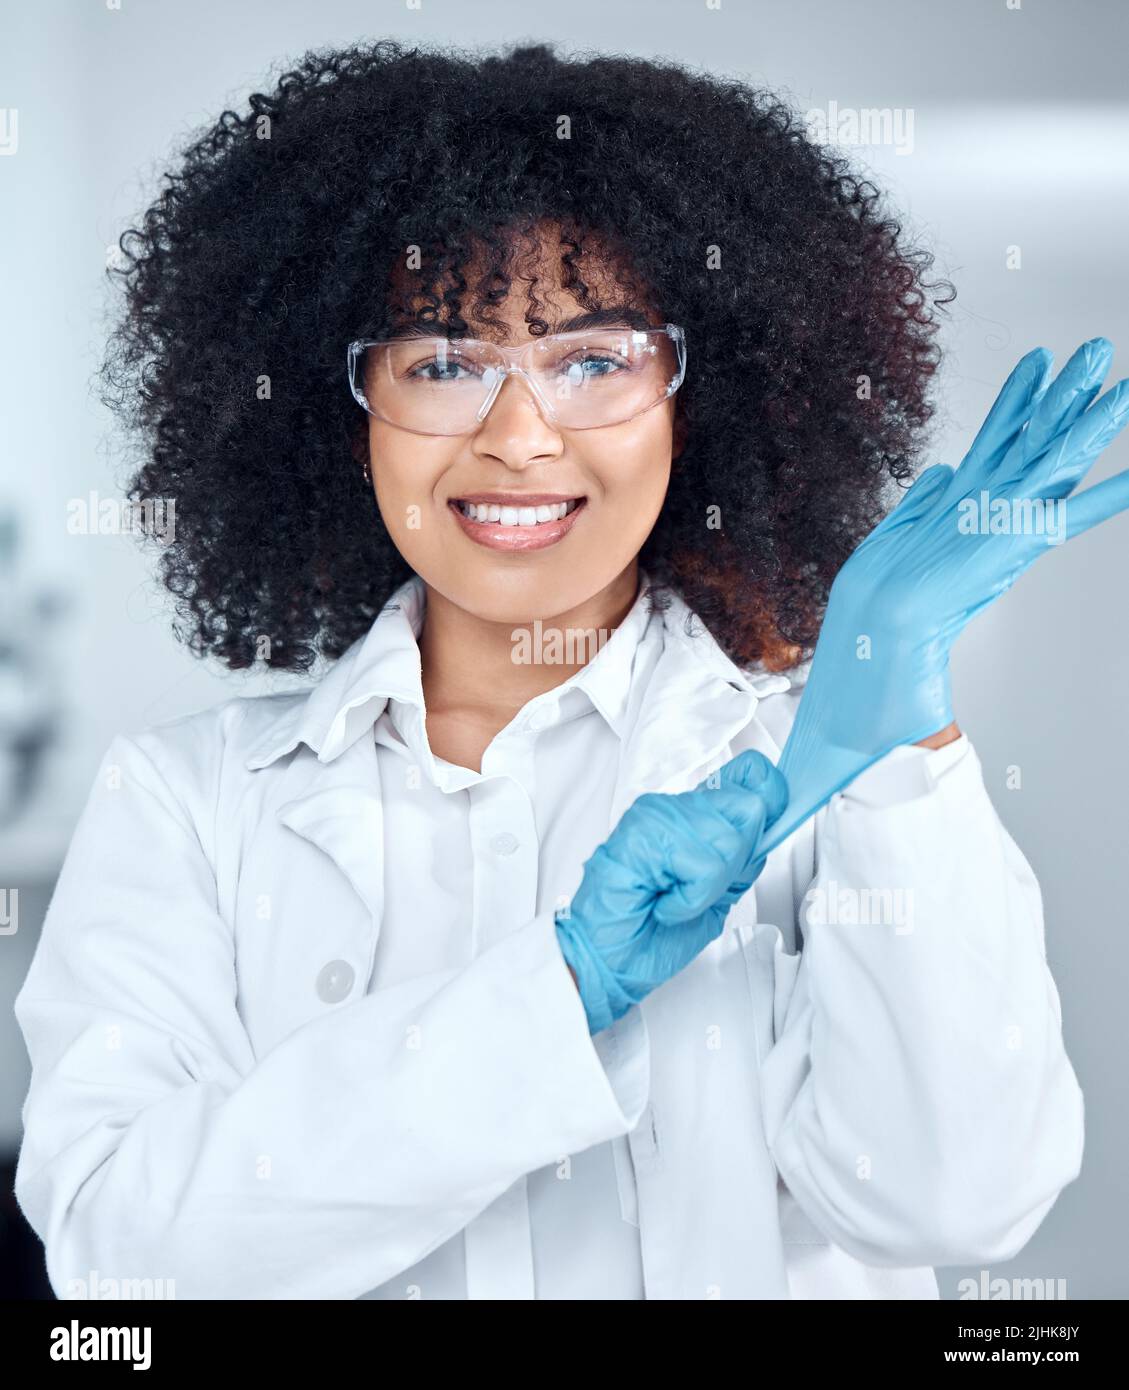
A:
x: 658, y: 890
x: 880, y: 673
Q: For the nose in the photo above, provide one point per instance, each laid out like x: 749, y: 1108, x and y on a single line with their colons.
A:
x: 516, y: 428
x: 517, y: 383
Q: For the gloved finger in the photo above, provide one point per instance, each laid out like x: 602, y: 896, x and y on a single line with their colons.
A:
x: 752, y: 771
x: 917, y: 500
x: 749, y: 875
x: 731, y: 820
x: 751, y: 816
x: 1097, y: 504
x: 1009, y: 413
x: 615, y: 878
x: 718, y: 838
x: 696, y: 874
x: 668, y: 847
x: 749, y: 872
x: 1063, y: 403
x: 1071, y: 457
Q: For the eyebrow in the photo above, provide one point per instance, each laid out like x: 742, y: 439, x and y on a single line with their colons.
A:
x: 621, y: 316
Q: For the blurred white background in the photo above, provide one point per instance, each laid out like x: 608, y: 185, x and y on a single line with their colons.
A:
x: 1020, y: 139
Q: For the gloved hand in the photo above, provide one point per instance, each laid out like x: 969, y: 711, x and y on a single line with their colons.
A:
x: 658, y: 890
x: 956, y: 542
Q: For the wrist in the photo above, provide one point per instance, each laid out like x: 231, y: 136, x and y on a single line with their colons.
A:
x: 599, y: 991
x: 949, y: 734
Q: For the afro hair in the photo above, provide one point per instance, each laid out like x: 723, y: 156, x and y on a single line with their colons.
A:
x: 277, y: 237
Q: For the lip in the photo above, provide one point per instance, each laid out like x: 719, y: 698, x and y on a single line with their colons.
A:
x: 514, y: 538
x: 519, y: 499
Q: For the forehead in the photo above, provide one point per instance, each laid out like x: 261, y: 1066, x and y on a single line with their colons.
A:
x: 551, y: 284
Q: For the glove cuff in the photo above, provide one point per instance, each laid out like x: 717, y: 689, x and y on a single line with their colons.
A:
x: 603, y: 997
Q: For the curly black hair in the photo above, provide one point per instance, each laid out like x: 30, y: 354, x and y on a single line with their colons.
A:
x: 275, y: 241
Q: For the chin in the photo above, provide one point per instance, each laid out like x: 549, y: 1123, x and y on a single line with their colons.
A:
x: 520, y: 589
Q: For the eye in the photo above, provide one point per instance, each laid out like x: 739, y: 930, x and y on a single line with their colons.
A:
x: 603, y: 364
x: 434, y: 370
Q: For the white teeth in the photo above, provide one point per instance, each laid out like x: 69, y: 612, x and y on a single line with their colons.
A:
x: 516, y: 516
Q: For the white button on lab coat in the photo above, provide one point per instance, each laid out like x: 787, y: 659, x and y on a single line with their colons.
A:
x: 505, y: 843
x: 225, y: 1095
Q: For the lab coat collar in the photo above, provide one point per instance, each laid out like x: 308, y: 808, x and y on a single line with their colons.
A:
x: 384, y: 664
x: 352, y: 695
x: 679, y: 702
x: 605, y: 679
x: 603, y: 685
x: 685, y: 717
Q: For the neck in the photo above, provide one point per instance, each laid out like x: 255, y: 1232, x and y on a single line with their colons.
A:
x: 468, y: 664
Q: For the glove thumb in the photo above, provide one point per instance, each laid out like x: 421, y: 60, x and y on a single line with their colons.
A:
x: 920, y: 496
x: 751, y: 771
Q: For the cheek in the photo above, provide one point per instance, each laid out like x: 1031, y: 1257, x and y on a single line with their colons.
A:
x: 633, y: 471
x: 406, y: 470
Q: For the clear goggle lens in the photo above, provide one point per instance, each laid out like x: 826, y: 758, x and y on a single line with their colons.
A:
x: 581, y: 380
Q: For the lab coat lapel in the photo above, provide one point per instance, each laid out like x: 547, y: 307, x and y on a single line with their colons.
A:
x: 340, y: 812
x: 684, y: 718
x: 687, y: 717
x: 699, y: 1219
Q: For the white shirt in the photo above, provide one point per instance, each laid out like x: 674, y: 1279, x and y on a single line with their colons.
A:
x: 506, y: 844
x: 313, y: 1035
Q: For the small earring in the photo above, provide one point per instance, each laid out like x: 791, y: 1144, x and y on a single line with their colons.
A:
x: 368, y: 473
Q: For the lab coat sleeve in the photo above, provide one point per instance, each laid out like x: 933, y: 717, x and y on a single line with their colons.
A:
x: 157, y: 1145
x: 919, y: 1102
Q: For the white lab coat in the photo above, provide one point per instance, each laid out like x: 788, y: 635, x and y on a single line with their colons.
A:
x: 219, y: 1097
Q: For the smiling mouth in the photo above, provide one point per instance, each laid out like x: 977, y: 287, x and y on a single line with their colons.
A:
x: 505, y: 514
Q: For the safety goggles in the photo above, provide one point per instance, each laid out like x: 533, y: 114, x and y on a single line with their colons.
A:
x: 581, y: 380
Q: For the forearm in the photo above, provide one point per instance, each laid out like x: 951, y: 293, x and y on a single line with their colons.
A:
x: 920, y: 1103
x: 949, y: 734
x: 158, y: 1143
x: 319, y: 1173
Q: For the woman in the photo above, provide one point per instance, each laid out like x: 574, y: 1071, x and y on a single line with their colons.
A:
x: 530, y: 393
